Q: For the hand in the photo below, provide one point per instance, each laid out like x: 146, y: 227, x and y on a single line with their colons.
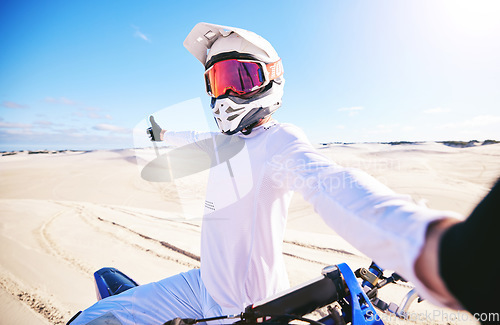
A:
x: 155, y: 131
x: 427, y: 263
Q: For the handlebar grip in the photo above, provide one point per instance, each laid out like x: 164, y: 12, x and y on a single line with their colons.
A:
x: 303, y: 299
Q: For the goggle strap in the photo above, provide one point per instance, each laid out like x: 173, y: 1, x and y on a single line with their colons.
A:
x: 275, y: 69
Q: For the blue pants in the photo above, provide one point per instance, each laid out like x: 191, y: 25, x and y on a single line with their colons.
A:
x: 182, y: 295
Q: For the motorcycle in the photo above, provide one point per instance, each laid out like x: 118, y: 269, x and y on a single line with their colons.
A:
x: 349, y: 297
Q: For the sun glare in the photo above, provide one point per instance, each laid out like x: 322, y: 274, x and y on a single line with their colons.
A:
x: 479, y: 16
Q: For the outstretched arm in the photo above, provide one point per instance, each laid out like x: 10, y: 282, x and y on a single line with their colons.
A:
x: 176, y: 139
x: 388, y: 227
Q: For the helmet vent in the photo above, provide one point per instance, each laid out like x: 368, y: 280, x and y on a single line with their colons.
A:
x: 232, y: 110
x: 232, y: 117
x: 210, y: 35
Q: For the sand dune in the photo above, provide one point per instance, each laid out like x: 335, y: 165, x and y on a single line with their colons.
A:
x: 67, y: 214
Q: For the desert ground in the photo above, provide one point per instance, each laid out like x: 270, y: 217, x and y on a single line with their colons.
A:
x: 64, y: 215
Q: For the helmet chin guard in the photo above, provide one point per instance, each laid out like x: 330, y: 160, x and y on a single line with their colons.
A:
x: 233, y: 114
x: 211, y: 43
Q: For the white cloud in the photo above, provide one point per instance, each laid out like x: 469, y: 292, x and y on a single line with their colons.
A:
x: 111, y: 128
x: 44, y: 123
x: 10, y: 104
x: 92, y: 113
x: 32, y: 139
x: 97, y: 116
x: 66, y: 101
x: 60, y: 100
x: 437, y: 110
x: 477, y: 121
x: 7, y: 125
x: 351, y: 110
x: 387, y: 126
x: 139, y: 34
x: 383, y: 128
x: 407, y: 128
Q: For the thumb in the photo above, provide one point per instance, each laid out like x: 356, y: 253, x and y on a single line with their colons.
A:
x: 153, y: 122
x: 155, y: 129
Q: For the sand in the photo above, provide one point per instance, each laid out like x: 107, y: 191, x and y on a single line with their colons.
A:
x: 66, y: 214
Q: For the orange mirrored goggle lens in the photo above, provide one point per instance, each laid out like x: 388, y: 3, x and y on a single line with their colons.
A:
x: 239, y: 76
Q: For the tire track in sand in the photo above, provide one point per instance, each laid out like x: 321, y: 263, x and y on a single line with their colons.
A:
x: 90, y: 219
x: 319, y: 248
x: 302, y: 251
x: 52, y: 248
x: 145, y: 216
x: 38, y: 304
x: 161, y: 242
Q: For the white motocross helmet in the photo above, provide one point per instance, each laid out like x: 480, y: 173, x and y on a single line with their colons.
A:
x: 211, y: 43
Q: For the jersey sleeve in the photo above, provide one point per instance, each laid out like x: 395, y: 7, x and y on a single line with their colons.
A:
x: 182, y: 138
x: 389, y: 228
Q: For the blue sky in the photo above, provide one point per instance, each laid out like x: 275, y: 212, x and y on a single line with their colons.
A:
x: 83, y: 74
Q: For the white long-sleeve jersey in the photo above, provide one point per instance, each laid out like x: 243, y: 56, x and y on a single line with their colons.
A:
x: 246, y: 209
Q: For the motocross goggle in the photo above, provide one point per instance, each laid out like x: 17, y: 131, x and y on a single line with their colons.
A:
x: 240, y: 76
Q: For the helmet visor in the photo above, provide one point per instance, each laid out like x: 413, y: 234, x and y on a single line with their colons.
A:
x: 239, y: 76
